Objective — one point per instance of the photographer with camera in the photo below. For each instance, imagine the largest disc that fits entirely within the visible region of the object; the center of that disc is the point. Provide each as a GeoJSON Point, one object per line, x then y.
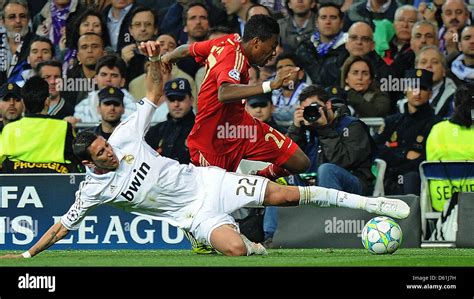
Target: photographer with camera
{"type": "Point", "coordinates": [339, 146]}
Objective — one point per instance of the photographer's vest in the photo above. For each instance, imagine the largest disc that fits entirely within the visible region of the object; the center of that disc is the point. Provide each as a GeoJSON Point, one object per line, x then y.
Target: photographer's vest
{"type": "Point", "coordinates": [448, 141]}
{"type": "Point", "coordinates": [34, 142]}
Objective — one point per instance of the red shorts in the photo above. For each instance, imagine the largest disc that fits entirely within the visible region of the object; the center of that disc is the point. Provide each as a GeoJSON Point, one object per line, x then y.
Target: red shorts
{"type": "Point", "coordinates": [266, 144]}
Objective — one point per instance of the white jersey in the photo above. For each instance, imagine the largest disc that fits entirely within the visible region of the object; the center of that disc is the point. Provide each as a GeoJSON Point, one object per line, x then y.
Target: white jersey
{"type": "Point", "coordinates": [144, 182]}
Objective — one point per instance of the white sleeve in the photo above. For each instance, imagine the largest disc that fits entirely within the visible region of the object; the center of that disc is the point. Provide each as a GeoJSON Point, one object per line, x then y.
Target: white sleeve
{"type": "Point", "coordinates": [137, 124]}
{"type": "Point", "coordinates": [82, 206]}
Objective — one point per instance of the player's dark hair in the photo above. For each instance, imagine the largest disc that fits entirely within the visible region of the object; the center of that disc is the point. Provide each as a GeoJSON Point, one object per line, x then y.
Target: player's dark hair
{"type": "Point", "coordinates": [111, 61]}
{"type": "Point", "coordinates": [34, 93]}
{"type": "Point", "coordinates": [463, 103]}
{"type": "Point", "coordinates": [43, 40]}
{"type": "Point", "coordinates": [313, 90]}
{"type": "Point", "coordinates": [53, 63]}
{"type": "Point", "coordinates": [329, 4]}
{"type": "Point", "coordinates": [81, 144]}
{"type": "Point", "coordinates": [261, 26]}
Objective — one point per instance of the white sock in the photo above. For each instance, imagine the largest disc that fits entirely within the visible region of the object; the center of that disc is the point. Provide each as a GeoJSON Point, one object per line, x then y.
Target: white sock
{"type": "Point", "coordinates": [325, 197]}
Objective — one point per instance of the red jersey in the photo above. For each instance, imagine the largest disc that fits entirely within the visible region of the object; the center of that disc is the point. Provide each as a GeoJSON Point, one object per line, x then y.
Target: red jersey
{"type": "Point", "coordinates": [215, 122]}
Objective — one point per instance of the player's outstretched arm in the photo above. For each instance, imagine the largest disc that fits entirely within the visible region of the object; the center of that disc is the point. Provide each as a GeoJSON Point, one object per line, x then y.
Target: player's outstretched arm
{"type": "Point", "coordinates": [155, 72]}
{"type": "Point", "coordinates": [174, 56]}
{"type": "Point", "coordinates": [55, 233]}
{"type": "Point", "coordinates": [229, 92]}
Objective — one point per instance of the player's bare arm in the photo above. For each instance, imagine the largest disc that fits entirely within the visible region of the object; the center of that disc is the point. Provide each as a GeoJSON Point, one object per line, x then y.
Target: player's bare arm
{"type": "Point", "coordinates": [172, 57]}
{"type": "Point", "coordinates": [228, 92]}
{"type": "Point", "coordinates": [154, 76]}
{"type": "Point", "coordinates": [55, 233]}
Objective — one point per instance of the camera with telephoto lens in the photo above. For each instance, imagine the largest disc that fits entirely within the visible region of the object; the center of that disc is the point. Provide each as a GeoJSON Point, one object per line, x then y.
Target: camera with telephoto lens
{"type": "Point", "coordinates": [311, 113]}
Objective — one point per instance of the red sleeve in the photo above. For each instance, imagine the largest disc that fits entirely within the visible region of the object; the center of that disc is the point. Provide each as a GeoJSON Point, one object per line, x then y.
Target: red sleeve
{"type": "Point", "coordinates": [201, 50]}
{"type": "Point", "coordinates": [232, 67]}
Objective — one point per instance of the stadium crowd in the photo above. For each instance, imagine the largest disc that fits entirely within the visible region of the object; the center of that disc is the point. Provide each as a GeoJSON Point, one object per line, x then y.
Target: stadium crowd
{"type": "Point", "coordinates": [399, 60]}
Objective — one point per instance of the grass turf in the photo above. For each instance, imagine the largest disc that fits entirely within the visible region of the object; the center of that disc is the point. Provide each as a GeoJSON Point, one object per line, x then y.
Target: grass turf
{"type": "Point", "coordinates": [436, 257]}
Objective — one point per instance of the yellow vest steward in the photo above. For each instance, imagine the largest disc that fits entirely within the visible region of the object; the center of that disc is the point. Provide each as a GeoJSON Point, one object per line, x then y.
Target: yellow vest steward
{"type": "Point", "coordinates": [449, 142]}
{"type": "Point", "coordinates": [33, 139]}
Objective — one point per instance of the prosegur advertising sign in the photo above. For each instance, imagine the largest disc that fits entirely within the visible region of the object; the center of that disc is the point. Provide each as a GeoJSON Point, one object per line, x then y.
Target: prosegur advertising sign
{"type": "Point", "coordinates": [30, 204]}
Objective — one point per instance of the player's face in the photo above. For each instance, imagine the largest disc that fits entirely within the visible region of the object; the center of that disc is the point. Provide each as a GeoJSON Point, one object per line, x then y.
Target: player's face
{"type": "Point", "coordinates": [103, 155]}
{"type": "Point", "coordinates": [265, 51]}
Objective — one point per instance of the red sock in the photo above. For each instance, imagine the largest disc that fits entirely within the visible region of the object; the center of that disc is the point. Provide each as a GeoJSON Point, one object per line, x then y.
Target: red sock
{"type": "Point", "coordinates": [273, 172]}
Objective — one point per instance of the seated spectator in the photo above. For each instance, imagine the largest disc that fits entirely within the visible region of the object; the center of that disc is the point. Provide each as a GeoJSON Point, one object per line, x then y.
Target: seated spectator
{"type": "Point", "coordinates": [15, 36]}
{"type": "Point", "coordinates": [323, 55]}
{"type": "Point", "coordinates": [261, 107]}
{"type": "Point", "coordinates": [401, 141]}
{"type": "Point", "coordinates": [285, 99]}
{"type": "Point", "coordinates": [462, 67]}
{"type": "Point", "coordinates": [110, 109]}
{"type": "Point", "coordinates": [51, 21]}
{"type": "Point", "coordinates": [110, 71]}
{"type": "Point", "coordinates": [143, 27]}
{"type": "Point", "coordinates": [338, 145]}
{"type": "Point", "coordinates": [455, 15]}
{"type": "Point", "coordinates": [137, 86]}
{"type": "Point", "coordinates": [11, 105]}
{"type": "Point", "coordinates": [299, 25]}
{"type": "Point", "coordinates": [360, 42]}
{"type": "Point", "coordinates": [453, 139]}
{"type": "Point", "coordinates": [363, 95]}
{"type": "Point", "coordinates": [90, 48]}
{"type": "Point", "coordinates": [369, 10]}
{"type": "Point", "coordinates": [36, 142]}
{"type": "Point", "coordinates": [441, 100]}
{"type": "Point", "coordinates": [51, 72]}
{"type": "Point", "coordinates": [168, 138]}
{"type": "Point", "coordinates": [89, 20]}
{"type": "Point", "coordinates": [40, 49]}
{"type": "Point", "coordinates": [117, 16]}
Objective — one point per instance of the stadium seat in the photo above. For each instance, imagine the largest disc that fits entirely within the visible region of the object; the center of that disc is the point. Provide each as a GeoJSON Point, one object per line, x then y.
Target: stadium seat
{"type": "Point", "coordinates": [453, 174]}
{"type": "Point", "coordinates": [378, 170]}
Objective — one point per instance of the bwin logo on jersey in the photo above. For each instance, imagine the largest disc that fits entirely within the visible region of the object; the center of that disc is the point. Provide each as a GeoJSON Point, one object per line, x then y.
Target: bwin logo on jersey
{"type": "Point", "coordinates": [136, 182]}
{"type": "Point", "coordinates": [234, 74]}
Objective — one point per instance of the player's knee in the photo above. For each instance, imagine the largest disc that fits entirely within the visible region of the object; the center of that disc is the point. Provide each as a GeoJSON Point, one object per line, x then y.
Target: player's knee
{"type": "Point", "coordinates": [235, 248]}
{"type": "Point", "coordinates": [303, 163]}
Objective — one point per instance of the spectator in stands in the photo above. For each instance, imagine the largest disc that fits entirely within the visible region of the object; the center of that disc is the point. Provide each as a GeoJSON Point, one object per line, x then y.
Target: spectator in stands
{"type": "Point", "coordinates": [462, 67]}
{"type": "Point", "coordinates": [40, 49]}
{"type": "Point", "coordinates": [168, 138]}
{"type": "Point", "coordinates": [110, 109]}
{"type": "Point", "coordinates": [15, 39]}
{"type": "Point", "coordinates": [117, 16]}
{"type": "Point", "coordinates": [110, 71]}
{"type": "Point", "coordinates": [423, 34]}
{"type": "Point", "coordinates": [90, 48]}
{"type": "Point", "coordinates": [89, 20]}
{"type": "Point", "coordinates": [324, 54]}
{"type": "Point", "coordinates": [338, 145]}
{"type": "Point", "coordinates": [363, 94]}
{"type": "Point", "coordinates": [51, 21]}
{"type": "Point", "coordinates": [453, 139]}
{"type": "Point", "coordinates": [430, 58]}
{"type": "Point", "coordinates": [196, 25]}
{"type": "Point", "coordinates": [455, 14]}
{"type": "Point", "coordinates": [11, 105]}
{"type": "Point", "coordinates": [401, 141]}
{"type": "Point", "coordinates": [51, 72]}
{"type": "Point", "coordinates": [299, 25]}
{"type": "Point", "coordinates": [261, 107]}
{"type": "Point", "coordinates": [367, 11]}
{"type": "Point", "coordinates": [431, 12]}
{"type": "Point", "coordinates": [143, 27]}
{"type": "Point", "coordinates": [137, 86]}
{"type": "Point", "coordinates": [360, 42]}
{"type": "Point", "coordinates": [257, 9]}
{"type": "Point", "coordinates": [45, 143]}
{"type": "Point", "coordinates": [285, 99]}
{"type": "Point", "coordinates": [238, 11]}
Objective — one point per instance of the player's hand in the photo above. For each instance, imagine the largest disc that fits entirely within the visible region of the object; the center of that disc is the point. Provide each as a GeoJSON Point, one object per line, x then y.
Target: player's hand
{"type": "Point", "coordinates": [167, 64]}
{"type": "Point", "coordinates": [283, 74]}
{"type": "Point", "coordinates": [11, 256]}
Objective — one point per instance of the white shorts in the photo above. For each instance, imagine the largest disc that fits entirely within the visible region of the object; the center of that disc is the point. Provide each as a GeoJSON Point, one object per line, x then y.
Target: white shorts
{"type": "Point", "coordinates": [226, 192]}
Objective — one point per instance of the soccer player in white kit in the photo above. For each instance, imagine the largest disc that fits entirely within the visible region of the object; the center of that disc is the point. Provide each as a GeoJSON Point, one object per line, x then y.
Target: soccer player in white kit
{"type": "Point", "coordinates": [127, 173]}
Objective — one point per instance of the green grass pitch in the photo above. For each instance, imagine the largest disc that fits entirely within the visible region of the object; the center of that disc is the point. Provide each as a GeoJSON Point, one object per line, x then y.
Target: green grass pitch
{"type": "Point", "coordinates": [419, 257]}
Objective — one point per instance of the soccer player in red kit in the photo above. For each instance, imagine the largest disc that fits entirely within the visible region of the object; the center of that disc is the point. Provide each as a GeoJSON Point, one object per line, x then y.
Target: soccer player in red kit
{"type": "Point", "coordinates": [224, 133]}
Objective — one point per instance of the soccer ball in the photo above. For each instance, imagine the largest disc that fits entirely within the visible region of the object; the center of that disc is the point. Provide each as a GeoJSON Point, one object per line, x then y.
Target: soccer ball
{"type": "Point", "coordinates": [381, 235]}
